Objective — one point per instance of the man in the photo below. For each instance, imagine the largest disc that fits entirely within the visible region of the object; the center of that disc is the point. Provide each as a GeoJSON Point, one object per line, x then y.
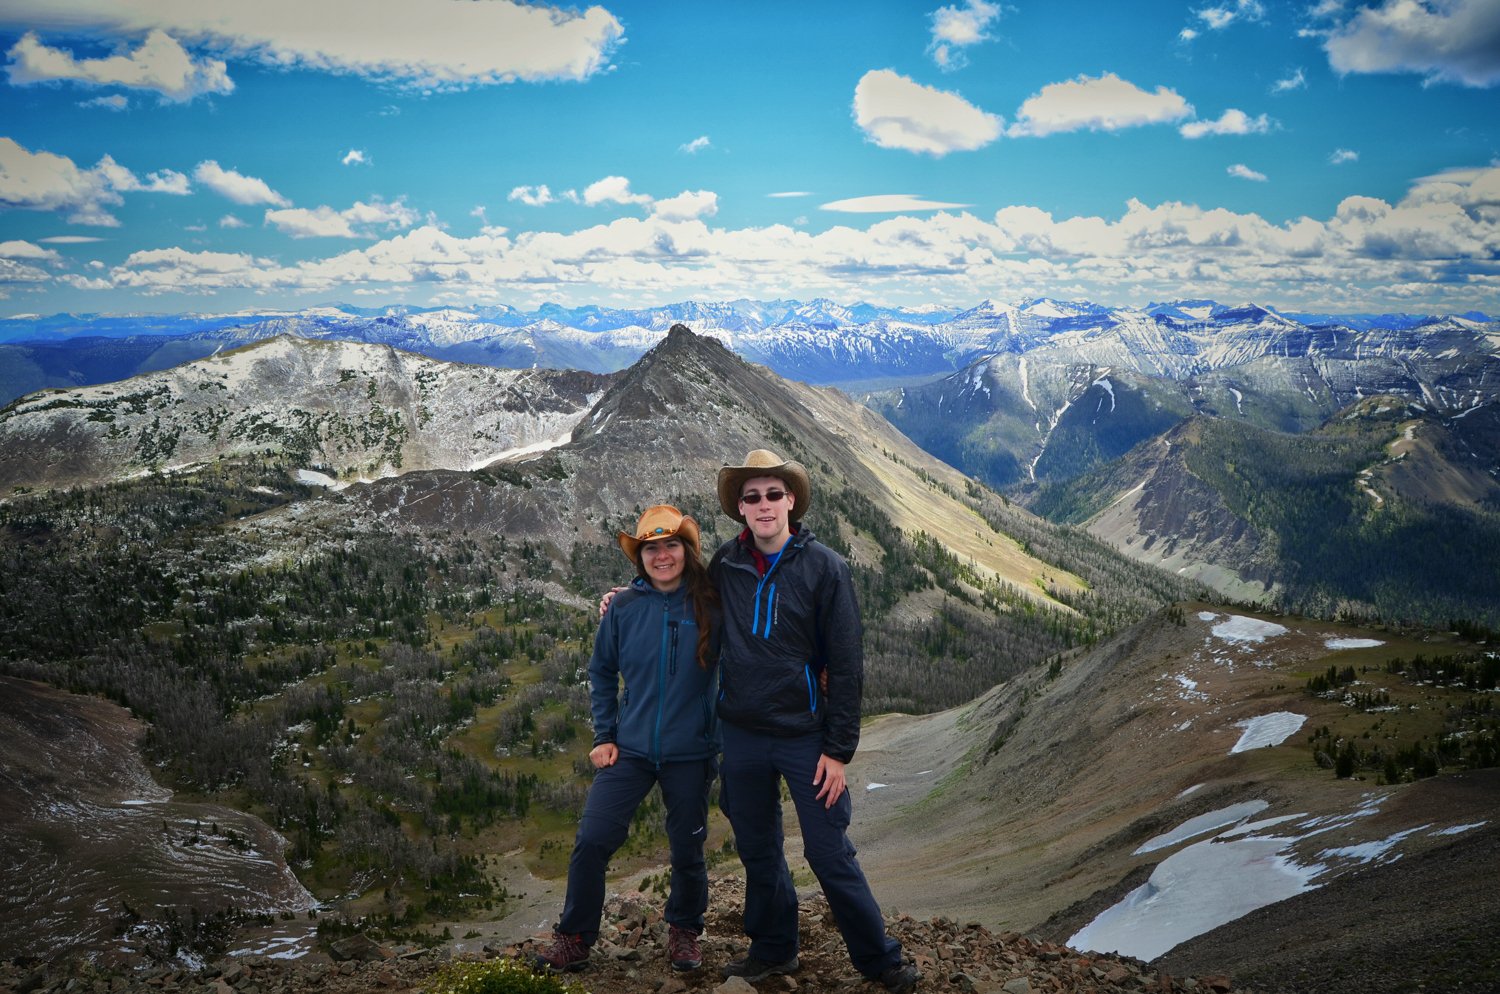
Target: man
{"type": "Point", "coordinates": [790, 618]}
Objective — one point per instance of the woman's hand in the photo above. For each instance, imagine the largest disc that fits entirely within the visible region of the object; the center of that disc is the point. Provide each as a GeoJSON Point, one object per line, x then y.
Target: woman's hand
{"type": "Point", "coordinates": [604, 754]}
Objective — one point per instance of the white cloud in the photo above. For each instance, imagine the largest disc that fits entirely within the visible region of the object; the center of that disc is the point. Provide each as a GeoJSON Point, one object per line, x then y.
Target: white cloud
{"type": "Point", "coordinates": [237, 187]}
{"type": "Point", "coordinates": [1231, 122]}
{"type": "Point", "coordinates": [1220, 17]}
{"type": "Point", "coordinates": [532, 196]}
{"type": "Point", "coordinates": [160, 64]}
{"type": "Point", "coordinates": [1343, 155]}
{"type": "Point", "coordinates": [45, 181]}
{"type": "Point", "coordinates": [686, 206]}
{"type": "Point", "coordinates": [1296, 81]}
{"type": "Point", "coordinates": [1105, 103]}
{"type": "Point", "coordinates": [114, 101]}
{"type": "Point", "coordinates": [889, 203]}
{"type": "Point", "coordinates": [420, 43]}
{"type": "Point", "coordinates": [1450, 41]}
{"type": "Point", "coordinates": [1433, 249]}
{"type": "Point", "coordinates": [27, 250]}
{"type": "Point", "coordinates": [71, 240]}
{"type": "Point", "coordinates": [895, 112]}
{"type": "Point", "coordinates": [957, 28]}
{"type": "Point", "coordinates": [1187, 34]}
{"type": "Point", "coordinates": [696, 145]}
{"type": "Point", "coordinates": [125, 181]}
{"type": "Point", "coordinates": [785, 194]}
{"type": "Point", "coordinates": [1241, 171]}
{"type": "Point", "coordinates": [612, 190]}
{"type": "Point", "coordinates": [231, 221]}
{"type": "Point", "coordinates": [355, 157]}
{"type": "Point", "coordinates": [359, 221]}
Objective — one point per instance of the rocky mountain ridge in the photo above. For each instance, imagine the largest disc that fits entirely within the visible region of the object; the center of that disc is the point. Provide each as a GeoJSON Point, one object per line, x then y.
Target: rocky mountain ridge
{"type": "Point", "coordinates": [346, 411]}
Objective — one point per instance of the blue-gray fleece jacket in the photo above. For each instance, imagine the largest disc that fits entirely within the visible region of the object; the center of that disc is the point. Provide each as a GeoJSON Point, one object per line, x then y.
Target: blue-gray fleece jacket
{"type": "Point", "coordinates": [782, 628]}
{"type": "Point", "coordinates": [665, 711]}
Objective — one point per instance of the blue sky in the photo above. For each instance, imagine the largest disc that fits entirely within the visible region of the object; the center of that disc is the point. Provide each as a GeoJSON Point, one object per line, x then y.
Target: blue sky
{"type": "Point", "coordinates": [214, 155]}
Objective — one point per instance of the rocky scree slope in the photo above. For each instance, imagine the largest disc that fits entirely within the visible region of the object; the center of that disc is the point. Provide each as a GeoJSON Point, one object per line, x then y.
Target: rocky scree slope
{"type": "Point", "coordinates": [631, 957]}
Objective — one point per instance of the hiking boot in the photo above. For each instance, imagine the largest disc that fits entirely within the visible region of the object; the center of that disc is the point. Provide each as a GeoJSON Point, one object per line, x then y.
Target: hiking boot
{"type": "Point", "coordinates": [682, 949]}
{"type": "Point", "coordinates": [568, 953]}
{"type": "Point", "coordinates": [901, 978]}
{"type": "Point", "coordinates": [753, 969]}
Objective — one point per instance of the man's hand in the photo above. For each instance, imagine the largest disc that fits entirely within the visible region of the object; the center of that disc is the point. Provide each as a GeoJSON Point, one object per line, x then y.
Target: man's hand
{"type": "Point", "coordinates": [604, 601]}
{"type": "Point", "coordinates": [604, 754]}
{"type": "Point", "coordinates": [830, 774]}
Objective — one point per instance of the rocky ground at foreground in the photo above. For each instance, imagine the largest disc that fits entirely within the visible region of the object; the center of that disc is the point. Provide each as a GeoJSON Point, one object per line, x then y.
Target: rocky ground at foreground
{"type": "Point", "coordinates": [630, 958]}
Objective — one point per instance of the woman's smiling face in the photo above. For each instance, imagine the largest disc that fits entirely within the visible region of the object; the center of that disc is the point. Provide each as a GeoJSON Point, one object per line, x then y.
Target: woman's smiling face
{"type": "Point", "coordinates": [663, 561]}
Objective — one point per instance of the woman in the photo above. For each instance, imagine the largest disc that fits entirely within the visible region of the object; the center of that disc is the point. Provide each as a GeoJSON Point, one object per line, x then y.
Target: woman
{"type": "Point", "coordinates": [660, 729]}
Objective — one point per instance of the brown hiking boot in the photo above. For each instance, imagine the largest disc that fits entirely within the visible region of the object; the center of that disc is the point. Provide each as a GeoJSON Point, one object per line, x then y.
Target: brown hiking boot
{"type": "Point", "coordinates": [566, 954]}
{"type": "Point", "coordinates": [682, 949]}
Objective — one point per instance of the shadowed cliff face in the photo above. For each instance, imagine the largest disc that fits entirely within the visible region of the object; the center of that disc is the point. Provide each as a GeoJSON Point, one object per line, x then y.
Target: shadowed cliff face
{"type": "Point", "coordinates": [86, 832]}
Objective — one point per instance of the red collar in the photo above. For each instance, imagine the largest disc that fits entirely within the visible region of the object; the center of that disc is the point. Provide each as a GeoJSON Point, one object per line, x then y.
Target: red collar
{"type": "Point", "coordinates": [762, 564]}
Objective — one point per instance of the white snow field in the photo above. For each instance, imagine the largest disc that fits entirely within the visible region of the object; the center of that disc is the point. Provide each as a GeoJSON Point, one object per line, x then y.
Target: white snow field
{"type": "Point", "coordinates": [1268, 730]}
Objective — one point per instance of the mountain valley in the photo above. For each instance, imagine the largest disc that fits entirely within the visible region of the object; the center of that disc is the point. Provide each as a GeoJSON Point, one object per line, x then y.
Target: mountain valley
{"type": "Point", "coordinates": [364, 621]}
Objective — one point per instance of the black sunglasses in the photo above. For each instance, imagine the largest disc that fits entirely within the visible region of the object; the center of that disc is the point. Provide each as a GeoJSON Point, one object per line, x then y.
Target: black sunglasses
{"type": "Point", "coordinates": [753, 498]}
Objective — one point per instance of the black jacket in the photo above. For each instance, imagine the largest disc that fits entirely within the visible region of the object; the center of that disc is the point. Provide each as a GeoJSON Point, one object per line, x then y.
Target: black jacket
{"type": "Point", "coordinates": [779, 631]}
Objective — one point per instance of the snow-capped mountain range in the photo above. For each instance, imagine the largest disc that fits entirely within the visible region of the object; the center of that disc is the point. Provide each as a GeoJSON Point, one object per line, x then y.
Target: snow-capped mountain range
{"type": "Point", "coordinates": [818, 341]}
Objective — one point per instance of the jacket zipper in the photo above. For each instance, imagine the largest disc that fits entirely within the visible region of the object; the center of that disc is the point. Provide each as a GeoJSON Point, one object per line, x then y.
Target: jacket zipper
{"type": "Point", "coordinates": [770, 595]}
{"type": "Point", "coordinates": [661, 678]}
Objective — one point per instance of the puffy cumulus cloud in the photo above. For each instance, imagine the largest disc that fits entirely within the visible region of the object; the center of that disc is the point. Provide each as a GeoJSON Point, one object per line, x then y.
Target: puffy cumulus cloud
{"type": "Point", "coordinates": [421, 43]}
{"type": "Point", "coordinates": [230, 221]}
{"type": "Point", "coordinates": [1339, 156]}
{"type": "Point", "coordinates": [957, 28]}
{"type": "Point", "coordinates": [686, 206]}
{"type": "Point", "coordinates": [1451, 41]}
{"type": "Point", "coordinates": [46, 181]}
{"type": "Point", "coordinates": [355, 157]}
{"type": "Point", "coordinates": [237, 187]}
{"type": "Point", "coordinates": [1241, 171]}
{"type": "Point", "coordinates": [889, 203]}
{"type": "Point", "coordinates": [612, 190]}
{"type": "Point", "coordinates": [1103, 103]}
{"type": "Point", "coordinates": [532, 196]}
{"type": "Point", "coordinates": [175, 269]}
{"type": "Point", "coordinates": [1445, 232]}
{"type": "Point", "coordinates": [895, 112]}
{"type": "Point", "coordinates": [125, 181]}
{"type": "Point", "coordinates": [360, 221]}
{"type": "Point", "coordinates": [160, 64]}
{"type": "Point", "coordinates": [695, 146]}
{"type": "Point", "coordinates": [1231, 122]}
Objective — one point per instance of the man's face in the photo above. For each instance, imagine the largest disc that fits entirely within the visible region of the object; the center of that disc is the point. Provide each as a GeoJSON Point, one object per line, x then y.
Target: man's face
{"type": "Point", "coordinates": [767, 519]}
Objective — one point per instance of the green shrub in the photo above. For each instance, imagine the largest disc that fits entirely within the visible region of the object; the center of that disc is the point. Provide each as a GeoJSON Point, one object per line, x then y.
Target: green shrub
{"type": "Point", "coordinates": [499, 976]}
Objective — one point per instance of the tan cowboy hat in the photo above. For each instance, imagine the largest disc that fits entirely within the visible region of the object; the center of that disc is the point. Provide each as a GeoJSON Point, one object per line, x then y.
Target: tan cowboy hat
{"type": "Point", "coordinates": [658, 522]}
{"type": "Point", "coordinates": [764, 462]}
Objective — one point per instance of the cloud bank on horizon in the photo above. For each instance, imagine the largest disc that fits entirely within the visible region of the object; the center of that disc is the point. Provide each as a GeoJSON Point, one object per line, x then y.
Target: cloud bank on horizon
{"type": "Point", "coordinates": [160, 155]}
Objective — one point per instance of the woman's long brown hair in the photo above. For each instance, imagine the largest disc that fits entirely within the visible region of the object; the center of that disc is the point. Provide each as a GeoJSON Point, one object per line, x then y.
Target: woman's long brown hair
{"type": "Point", "coordinates": [701, 593]}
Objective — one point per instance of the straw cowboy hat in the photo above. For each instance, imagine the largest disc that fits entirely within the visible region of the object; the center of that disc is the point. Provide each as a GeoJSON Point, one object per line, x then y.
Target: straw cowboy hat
{"type": "Point", "coordinates": [658, 522]}
{"type": "Point", "coordinates": [764, 462]}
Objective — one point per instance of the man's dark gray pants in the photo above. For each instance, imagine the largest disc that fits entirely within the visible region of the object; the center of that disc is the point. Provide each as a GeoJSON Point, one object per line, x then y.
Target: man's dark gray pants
{"type": "Point", "coordinates": [749, 793]}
